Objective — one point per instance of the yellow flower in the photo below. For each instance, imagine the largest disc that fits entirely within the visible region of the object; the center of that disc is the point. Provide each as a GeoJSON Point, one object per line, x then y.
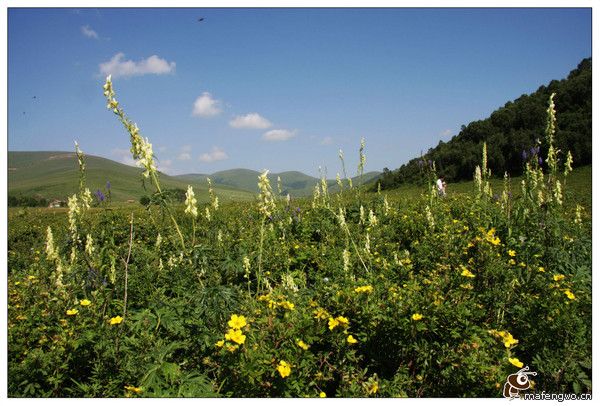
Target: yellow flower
{"type": "Point", "coordinates": [220, 343]}
{"type": "Point", "coordinates": [351, 340]}
{"type": "Point", "coordinates": [466, 272]}
{"type": "Point", "coordinates": [287, 305]}
{"type": "Point", "coordinates": [364, 289]}
{"type": "Point", "coordinates": [558, 277]}
{"type": "Point", "coordinates": [333, 323]}
{"type": "Point", "coordinates": [509, 340]}
{"type": "Point", "coordinates": [512, 253]}
{"type": "Point", "coordinates": [116, 320]}
{"type": "Point", "coordinates": [134, 389]}
{"type": "Point", "coordinates": [322, 395]}
{"type": "Point", "coordinates": [321, 313]}
{"type": "Point", "coordinates": [85, 302]}
{"type": "Point", "coordinates": [569, 294]}
{"type": "Point", "coordinates": [342, 320]}
{"type": "Point", "coordinates": [302, 345]}
{"type": "Point", "coordinates": [284, 369]}
{"type": "Point", "coordinates": [231, 348]}
{"type": "Point", "coordinates": [373, 388]}
{"type": "Point", "coordinates": [541, 269]}
{"type": "Point", "coordinates": [237, 321]}
{"type": "Point", "coordinates": [511, 261]}
{"type": "Point", "coordinates": [417, 316]}
{"type": "Point", "coordinates": [516, 362]}
{"type": "Point", "coordinates": [72, 312]}
{"type": "Point", "coordinates": [236, 336]}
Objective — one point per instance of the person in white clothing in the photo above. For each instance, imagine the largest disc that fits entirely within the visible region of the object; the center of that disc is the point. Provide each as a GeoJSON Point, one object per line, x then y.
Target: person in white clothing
{"type": "Point", "coordinates": [441, 186]}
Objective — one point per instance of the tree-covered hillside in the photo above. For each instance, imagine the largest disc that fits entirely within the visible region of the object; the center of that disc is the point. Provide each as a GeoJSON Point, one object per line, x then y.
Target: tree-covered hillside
{"type": "Point", "coordinates": [511, 132]}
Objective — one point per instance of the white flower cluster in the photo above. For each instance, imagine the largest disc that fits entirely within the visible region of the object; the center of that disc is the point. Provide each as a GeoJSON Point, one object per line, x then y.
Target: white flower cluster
{"type": "Point", "coordinates": [190, 203]}
{"type": "Point", "coordinates": [266, 203]}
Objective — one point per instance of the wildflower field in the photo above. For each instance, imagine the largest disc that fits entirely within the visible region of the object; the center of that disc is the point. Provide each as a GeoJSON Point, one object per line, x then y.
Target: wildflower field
{"type": "Point", "coordinates": [354, 294]}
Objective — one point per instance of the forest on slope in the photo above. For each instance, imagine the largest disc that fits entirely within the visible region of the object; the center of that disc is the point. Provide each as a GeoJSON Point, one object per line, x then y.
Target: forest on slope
{"type": "Point", "coordinates": [512, 133]}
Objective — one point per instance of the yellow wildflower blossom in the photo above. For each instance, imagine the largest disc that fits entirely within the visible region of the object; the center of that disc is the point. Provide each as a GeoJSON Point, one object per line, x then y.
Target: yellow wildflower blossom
{"type": "Point", "coordinates": [516, 362]}
{"type": "Point", "coordinates": [321, 313]}
{"type": "Point", "coordinates": [364, 289]}
{"type": "Point", "coordinates": [85, 302]}
{"type": "Point", "coordinates": [417, 316]}
{"type": "Point", "coordinates": [342, 320]}
{"type": "Point", "coordinates": [134, 389]}
{"type": "Point", "coordinates": [569, 294]}
{"type": "Point", "coordinates": [302, 345]}
{"type": "Point", "coordinates": [512, 253]}
{"type": "Point", "coordinates": [558, 277]}
{"type": "Point", "coordinates": [541, 269]}
{"type": "Point", "coordinates": [284, 369]}
{"type": "Point", "coordinates": [466, 272]}
{"type": "Point", "coordinates": [333, 323]}
{"type": "Point", "coordinates": [351, 340]}
{"type": "Point", "coordinates": [72, 312]}
{"type": "Point", "coordinates": [236, 321]}
{"type": "Point", "coordinates": [116, 320]}
{"type": "Point", "coordinates": [322, 395]}
{"type": "Point", "coordinates": [231, 348]}
{"type": "Point", "coordinates": [287, 305]}
{"type": "Point", "coordinates": [236, 336]}
{"type": "Point", "coordinates": [220, 343]}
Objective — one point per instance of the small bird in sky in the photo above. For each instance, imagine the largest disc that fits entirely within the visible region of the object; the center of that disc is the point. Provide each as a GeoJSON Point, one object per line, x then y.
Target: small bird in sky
{"type": "Point", "coordinates": [34, 97]}
{"type": "Point", "coordinates": [201, 19]}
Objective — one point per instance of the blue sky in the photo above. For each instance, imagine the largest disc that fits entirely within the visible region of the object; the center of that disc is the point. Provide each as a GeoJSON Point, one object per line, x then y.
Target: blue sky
{"type": "Point", "coordinates": [278, 89]}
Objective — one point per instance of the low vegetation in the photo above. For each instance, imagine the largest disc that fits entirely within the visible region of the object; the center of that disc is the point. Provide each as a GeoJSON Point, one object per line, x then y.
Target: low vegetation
{"type": "Point", "coordinates": [353, 294]}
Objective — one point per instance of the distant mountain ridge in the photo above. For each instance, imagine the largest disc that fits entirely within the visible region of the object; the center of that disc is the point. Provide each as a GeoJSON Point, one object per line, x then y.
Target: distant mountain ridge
{"type": "Point", "coordinates": [55, 175]}
{"type": "Point", "coordinates": [293, 182]}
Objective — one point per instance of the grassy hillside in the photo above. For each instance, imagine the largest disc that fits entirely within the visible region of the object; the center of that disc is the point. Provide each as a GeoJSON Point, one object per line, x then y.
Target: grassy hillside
{"type": "Point", "coordinates": [55, 175]}
{"type": "Point", "coordinates": [293, 182]}
{"type": "Point", "coordinates": [578, 189]}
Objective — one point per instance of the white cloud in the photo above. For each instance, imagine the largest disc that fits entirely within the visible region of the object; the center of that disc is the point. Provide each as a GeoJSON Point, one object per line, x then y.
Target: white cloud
{"type": "Point", "coordinates": [163, 165]}
{"type": "Point", "coordinates": [278, 135]}
{"type": "Point", "coordinates": [327, 141]}
{"type": "Point", "coordinates": [446, 132]}
{"type": "Point", "coordinates": [154, 65]}
{"type": "Point", "coordinates": [250, 120]}
{"type": "Point", "coordinates": [123, 156]}
{"type": "Point", "coordinates": [206, 106]}
{"type": "Point", "coordinates": [89, 32]}
{"type": "Point", "coordinates": [216, 154]}
{"type": "Point", "coordinates": [185, 153]}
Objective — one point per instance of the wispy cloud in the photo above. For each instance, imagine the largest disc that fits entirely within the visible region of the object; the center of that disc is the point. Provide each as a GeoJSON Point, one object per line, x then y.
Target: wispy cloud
{"type": "Point", "coordinates": [89, 32]}
{"type": "Point", "coordinates": [326, 141]}
{"type": "Point", "coordinates": [206, 106]}
{"type": "Point", "coordinates": [216, 154]}
{"type": "Point", "coordinates": [278, 135]}
{"type": "Point", "coordinates": [250, 120]}
{"type": "Point", "coordinates": [123, 156]}
{"type": "Point", "coordinates": [446, 132]}
{"type": "Point", "coordinates": [185, 154]}
{"type": "Point", "coordinates": [153, 65]}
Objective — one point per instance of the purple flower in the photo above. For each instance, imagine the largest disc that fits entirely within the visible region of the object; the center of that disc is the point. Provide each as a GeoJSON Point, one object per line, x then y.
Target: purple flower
{"type": "Point", "coordinates": [540, 160]}
{"type": "Point", "coordinates": [533, 151]}
{"type": "Point", "coordinates": [99, 195]}
{"type": "Point", "coordinates": [524, 155]}
{"type": "Point", "coordinates": [108, 184]}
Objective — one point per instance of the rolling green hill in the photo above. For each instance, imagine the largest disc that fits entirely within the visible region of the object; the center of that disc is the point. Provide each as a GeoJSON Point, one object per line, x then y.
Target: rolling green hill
{"type": "Point", "coordinates": [55, 175]}
{"type": "Point", "coordinates": [295, 183]}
